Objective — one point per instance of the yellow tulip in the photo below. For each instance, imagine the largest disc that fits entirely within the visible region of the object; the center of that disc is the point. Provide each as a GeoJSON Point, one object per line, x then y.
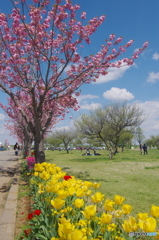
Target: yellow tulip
{"type": "Point", "coordinates": [106, 218]}
{"type": "Point", "coordinates": [87, 231]}
{"type": "Point", "coordinates": [80, 192]}
{"type": "Point", "coordinates": [89, 211]}
{"type": "Point", "coordinates": [79, 203]}
{"type": "Point", "coordinates": [97, 197]}
{"type": "Point", "coordinates": [88, 193]}
{"type": "Point", "coordinates": [108, 205]}
{"type": "Point", "coordinates": [48, 188]}
{"type": "Point", "coordinates": [126, 208]}
{"type": "Point", "coordinates": [134, 224]}
{"type": "Point", "coordinates": [44, 175]}
{"type": "Point", "coordinates": [62, 193]}
{"type": "Point", "coordinates": [154, 211]}
{"type": "Point", "coordinates": [65, 228]}
{"type": "Point", "coordinates": [84, 188]}
{"type": "Point", "coordinates": [96, 185]}
{"type": "Point", "coordinates": [53, 180]}
{"type": "Point", "coordinates": [43, 164]}
{"type": "Point", "coordinates": [118, 199]}
{"type": "Point", "coordinates": [55, 187]}
{"type": "Point", "coordinates": [140, 224]}
{"type": "Point", "coordinates": [82, 223]}
{"type": "Point", "coordinates": [58, 169]}
{"type": "Point", "coordinates": [127, 226]}
{"type": "Point", "coordinates": [117, 213]}
{"type": "Point", "coordinates": [111, 227]}
{"type": "Point", "coordinates": [65, 210]}
{"type": "Point", "coordinates": [38, 167]}
{"type": "Point", "coordinates": [77, 234]}
{"type": "Point", "coordinates": [71, 191]}
{"type": "Point", "coordinates": [36, 174]}
{"type": "Point", "coordinates": [88, 184]}
{"type": "Point", "coordinates": [119, 238]}
{"type": "Point", "coordinates": [149, 225]}
{"type": "Point", "coordinates": [57, 203]}
{"type": "Point", "coordinates": [142, 216]}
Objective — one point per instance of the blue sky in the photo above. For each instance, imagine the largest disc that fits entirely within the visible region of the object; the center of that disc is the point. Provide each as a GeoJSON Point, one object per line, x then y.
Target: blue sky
{"type": "Point", "coordinates": [137, 20]}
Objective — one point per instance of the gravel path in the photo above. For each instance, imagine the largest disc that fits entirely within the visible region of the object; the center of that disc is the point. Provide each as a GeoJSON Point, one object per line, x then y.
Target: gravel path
{"type": "Point", "coordinates": [8, 167]}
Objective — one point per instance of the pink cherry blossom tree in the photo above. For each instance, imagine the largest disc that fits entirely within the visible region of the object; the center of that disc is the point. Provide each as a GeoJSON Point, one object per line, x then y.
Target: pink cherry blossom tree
{"type": "Point", "coordinates": [41, 59]}
{"type": "Point", "coordinates": [17, 126]}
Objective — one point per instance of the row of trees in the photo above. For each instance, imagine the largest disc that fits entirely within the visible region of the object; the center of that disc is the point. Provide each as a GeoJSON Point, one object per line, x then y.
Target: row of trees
{"type": "Point", "coordinates": [42, 68]}
{"type": "Point", "coordinates": [153, 141]}
{"type": "Point", "coordinates": [112, 126]}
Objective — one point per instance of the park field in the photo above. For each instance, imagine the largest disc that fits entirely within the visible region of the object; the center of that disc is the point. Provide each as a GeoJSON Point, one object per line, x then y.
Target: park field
{"type": "Point", "coordinates": [129, 174]}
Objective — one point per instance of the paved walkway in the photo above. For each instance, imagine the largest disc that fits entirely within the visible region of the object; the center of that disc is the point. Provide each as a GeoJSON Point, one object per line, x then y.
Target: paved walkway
{"type": "Point", "coordinates": [9, 177]}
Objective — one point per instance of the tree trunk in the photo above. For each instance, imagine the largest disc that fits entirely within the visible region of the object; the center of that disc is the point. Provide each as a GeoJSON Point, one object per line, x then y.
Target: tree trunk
{"type": "Point", "coordinates": [27, 146]}
{"type": "Point", "coordinates": [67, 150]}
{"type": "Point", "coordinates": [66, 147]}
{"type": "Point", "coordinates": [116, 150]}
{"type": "Point", "coordinates": [39, 149]}
{"type": "Point", "coordinates": [111, 154]}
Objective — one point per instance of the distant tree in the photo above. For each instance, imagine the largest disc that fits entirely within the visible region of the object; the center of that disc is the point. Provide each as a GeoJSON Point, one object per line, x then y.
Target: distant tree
{"type": "Point", "coordinates": [18, 127]}
{"type": "Point", "coordinates": [149, 143]}
{"type": "Point", "coordinates": [125, 139]}
{"type": "Point", "coordinates": [65, 136]}
{"type": "Point", "coordinates": [94, 142]}
{"type": "Point", "coordinates": [53, 141]}
{"type": "Point", "coordinates": [157, 142]}
{"type": "Point", "coordinates": [109, 123]}
{"type": "Point", "coordinates": [138, 135]}
{"type": "Point", "coordinates": [79, 141]}
{"type": "Point", "coordinates": [153, 141]}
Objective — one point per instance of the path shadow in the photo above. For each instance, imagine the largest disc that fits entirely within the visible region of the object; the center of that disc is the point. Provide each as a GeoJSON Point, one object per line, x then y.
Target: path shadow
{"type": "Point", "coordinates": [9, 171]}
{"type": "Point", "coordinates": [85, 176]}
{"type": "Point", "coordinates": [65, 168]}
{"type": "Point", "coordinates": [15, 181]}
{"type": "Point", "coordinates": [13, 160]}
{"type": "Point", "coordinates": [99, 180]}
{"type": "Point", "coordinates": [85, 159]}
{"type": "Point", "coordinates": [10, 160]}
{"type": "Point", "coordinates": [5, 188]}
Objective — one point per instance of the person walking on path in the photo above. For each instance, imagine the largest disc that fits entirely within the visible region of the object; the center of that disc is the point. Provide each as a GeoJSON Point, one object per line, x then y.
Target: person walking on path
{"type": "Point", "coordinates": [145, 149]}
{"type": "Point", "coordinates": [141, 148]}
{"type": "Point", "coordinates": [16, 148]}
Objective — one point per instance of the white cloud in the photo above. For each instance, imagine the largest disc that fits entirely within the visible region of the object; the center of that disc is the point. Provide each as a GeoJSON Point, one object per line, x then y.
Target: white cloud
{"type": "Point", "coordinates": [61, 128]}
{"type": "Point", "coordinates": [113, 74]}
{"type": "Point", "coordinates": [155, 56]}
{"type": "Point", "coordinates": [153, 77]}
{"type": "Point", "coordinates": [90, 106]}
{"type": "Point", "coordinates": [117, 94]}
{"type": "Point", "coordinates": [2, 116]}
{"type": "Point", "coordinates": [87, 96]}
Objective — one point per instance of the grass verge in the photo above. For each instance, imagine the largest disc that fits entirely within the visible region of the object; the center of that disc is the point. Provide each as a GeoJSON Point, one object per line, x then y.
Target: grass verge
{"type": "Point", "coordinates": [129, 174]}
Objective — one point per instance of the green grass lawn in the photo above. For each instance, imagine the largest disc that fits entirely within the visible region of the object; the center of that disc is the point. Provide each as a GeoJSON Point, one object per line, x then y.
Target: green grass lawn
{"type": "Point", "coordinates": [129, 174]}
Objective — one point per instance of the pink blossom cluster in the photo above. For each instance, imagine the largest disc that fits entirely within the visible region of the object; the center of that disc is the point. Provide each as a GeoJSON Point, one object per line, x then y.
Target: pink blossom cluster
{"type": "Point", "coordinates": [30, 162]}
{"type": "Point", "coordinates": [29, 43]}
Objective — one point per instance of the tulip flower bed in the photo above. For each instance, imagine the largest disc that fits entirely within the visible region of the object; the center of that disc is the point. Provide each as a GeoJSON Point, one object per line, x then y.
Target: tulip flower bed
{"type": "Point", "coordinates": [66, 208]}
